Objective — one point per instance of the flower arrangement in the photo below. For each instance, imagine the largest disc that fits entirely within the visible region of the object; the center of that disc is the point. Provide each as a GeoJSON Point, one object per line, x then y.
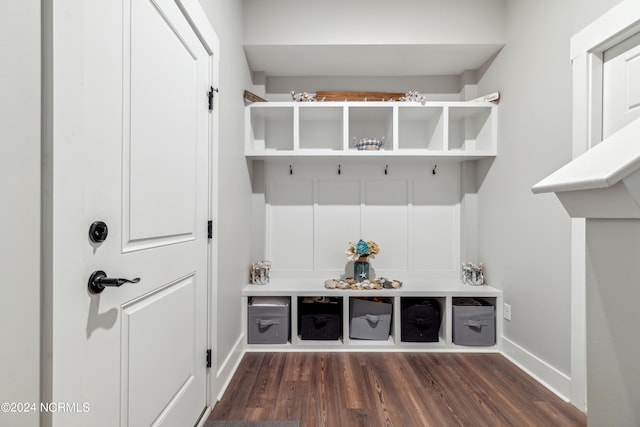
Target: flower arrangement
{"type": "Point", "coordinates": [361, 248]}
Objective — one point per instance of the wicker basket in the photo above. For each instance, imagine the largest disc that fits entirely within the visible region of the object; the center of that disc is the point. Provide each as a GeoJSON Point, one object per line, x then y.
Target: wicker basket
{"type": "Point", "coordinates": [369, 144]}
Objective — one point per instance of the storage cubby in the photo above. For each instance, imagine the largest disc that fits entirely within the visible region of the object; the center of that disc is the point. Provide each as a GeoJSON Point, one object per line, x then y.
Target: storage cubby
{"type": "Point", "coordinates": [442, 291]}
{"type": "Point", "coordinates": [268, 320]}
{"type": "Point", "coordinates": [421, 319]}
{"type": "Point", "coordinates": [371, 122]}
{"type": "Point", "coordinates": [474, 321]}
{"type": "Point", "coordinates": [271, 128]}
{"type": "Point", "coordinates": [456, 130]}
{"type": "Point", "coordinates": [320, 318]}
{"type": "Point", "coordinates": [470, 128]}
{"type": "Point", "coordinates": [421, 128]}
{"type": "Point", "coordinates": [321, 127]}
{"type": "Point", "coordinates": [370, 318]}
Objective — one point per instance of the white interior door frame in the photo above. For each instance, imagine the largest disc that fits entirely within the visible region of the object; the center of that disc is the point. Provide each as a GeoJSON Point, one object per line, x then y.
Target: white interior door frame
{"type": "Point", "coordinates": [587, 51]}
{"type": "Point", "coordinates": [211, 42]}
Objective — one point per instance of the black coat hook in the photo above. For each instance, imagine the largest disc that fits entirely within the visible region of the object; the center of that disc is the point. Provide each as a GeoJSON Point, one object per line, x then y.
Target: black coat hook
{"type": "Point", "coordinates": [339, 170]}
{"type": "Point", "coordinates": [434, 169]}
{"type": "Point", "coordinates": [290, 170]}
{"type": "Point", "coordinates": [386, 169]}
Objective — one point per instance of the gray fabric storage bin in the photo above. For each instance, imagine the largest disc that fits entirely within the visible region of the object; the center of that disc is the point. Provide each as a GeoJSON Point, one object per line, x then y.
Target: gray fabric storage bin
{"type": "Point", "coordinates": [370, 320]}
{"type": "Point", "coordinates": [474, 324]}
{"type": "Point", "coordinates": [268, 320]}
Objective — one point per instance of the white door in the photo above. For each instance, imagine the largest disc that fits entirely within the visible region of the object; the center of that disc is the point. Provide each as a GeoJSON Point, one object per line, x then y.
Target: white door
{"type": "Point", "coordinates": [621, 85]}
{"type": "Point", "coordinates": [131, 147]}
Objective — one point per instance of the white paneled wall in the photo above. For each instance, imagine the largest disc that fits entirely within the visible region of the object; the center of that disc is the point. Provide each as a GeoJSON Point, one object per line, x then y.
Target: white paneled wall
{"type": "Point", "coordinates": [337, 215]}
{"type": "Point", "coordinates": [290, 224]}
{"type": "Point", "coordinates": [312, 212]}
{"type": "Point", "coordinates": [385, 209]}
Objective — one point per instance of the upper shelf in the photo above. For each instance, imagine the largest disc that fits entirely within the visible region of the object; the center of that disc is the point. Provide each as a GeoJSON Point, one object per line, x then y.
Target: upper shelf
{"type": "Point", "coordinates": [453, 130]}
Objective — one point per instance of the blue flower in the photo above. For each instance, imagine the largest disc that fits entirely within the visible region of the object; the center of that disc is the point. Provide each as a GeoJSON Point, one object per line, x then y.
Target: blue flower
{"type": "Point", "coordinates": [362, 248]}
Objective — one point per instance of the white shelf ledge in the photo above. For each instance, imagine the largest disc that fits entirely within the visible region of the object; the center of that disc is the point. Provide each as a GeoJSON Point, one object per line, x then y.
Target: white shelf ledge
{"type": "Point", "coordinates": [418, 288]}
{"type": "Point", "coordinates": [609, 162]}
{"type": "Point", "coordinates": [604, 182]}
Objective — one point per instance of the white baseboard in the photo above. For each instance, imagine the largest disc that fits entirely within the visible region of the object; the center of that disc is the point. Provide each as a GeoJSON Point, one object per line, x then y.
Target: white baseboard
{"type": "Point", "coordinates": [204, 417]}
{"type": "Point", "coordinates": [541, 371]}
{"type": "Point", "coordinates": [228, 368]}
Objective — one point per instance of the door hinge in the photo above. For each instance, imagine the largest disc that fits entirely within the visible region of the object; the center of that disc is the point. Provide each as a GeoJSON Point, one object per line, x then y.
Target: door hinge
{"type": "Point", "coordinates": [208, 358]}
{"type": "Point", "coordinates": [210, 229]}
{"type": "Point", "coordinates": [210, 96]}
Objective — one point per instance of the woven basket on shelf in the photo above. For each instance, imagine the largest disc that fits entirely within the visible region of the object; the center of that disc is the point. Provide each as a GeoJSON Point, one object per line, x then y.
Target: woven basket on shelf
{"type": "Point", "coordinates": [369, 144]}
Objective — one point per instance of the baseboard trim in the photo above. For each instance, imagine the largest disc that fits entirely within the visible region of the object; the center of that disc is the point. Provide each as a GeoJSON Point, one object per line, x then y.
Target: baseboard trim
{"type": "Point", "coordinates": [203, 419]}
{"type": "Point", "coordinates": [228, 368]}
{"type": "Point", "coordinates": [538, 369]}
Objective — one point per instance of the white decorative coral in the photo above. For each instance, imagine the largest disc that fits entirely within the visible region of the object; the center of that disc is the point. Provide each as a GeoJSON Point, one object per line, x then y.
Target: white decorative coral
{"type": "Point", "coordinates": [303, 97]}
{"type": "Point", "coordinates": [414, 96]}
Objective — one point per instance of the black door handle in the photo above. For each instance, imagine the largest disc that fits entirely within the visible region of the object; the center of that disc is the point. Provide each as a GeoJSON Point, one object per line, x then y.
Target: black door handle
{"type": "Point", "coordinates": [99, 280]}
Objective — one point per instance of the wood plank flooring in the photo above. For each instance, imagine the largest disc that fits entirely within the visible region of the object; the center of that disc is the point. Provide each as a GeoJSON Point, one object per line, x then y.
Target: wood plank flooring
{"type": "Point", "coordinates": [391, 389]}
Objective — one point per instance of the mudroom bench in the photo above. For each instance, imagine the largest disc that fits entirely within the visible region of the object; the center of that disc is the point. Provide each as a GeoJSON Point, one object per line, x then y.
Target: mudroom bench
{"type": "Point", "coordinates": [479, 332]}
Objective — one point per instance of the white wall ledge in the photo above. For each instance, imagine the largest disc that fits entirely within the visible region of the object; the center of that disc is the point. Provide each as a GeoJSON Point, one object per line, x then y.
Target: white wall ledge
{"type": "Point", "coordinates": [604, 182]}
{"type": "Point", "coordinates": [606, 164]}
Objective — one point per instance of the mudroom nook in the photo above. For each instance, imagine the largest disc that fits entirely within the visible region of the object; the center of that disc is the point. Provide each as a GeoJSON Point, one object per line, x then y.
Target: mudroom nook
{"type": "Point", "coordinates": [316, 190]}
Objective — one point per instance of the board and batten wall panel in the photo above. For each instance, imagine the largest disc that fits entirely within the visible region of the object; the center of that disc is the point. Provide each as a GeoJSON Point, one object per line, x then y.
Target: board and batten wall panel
{"type": "Point", "coordinates": [290, 218]}
{"type": "Point", "coordinates": [384, 220]}
{"type": "Point", "coordinates": [337, 218]}
{"type": "Point", "coordinates": [436, 221]}
{"type": "Point", "coordinates": [313, 213]}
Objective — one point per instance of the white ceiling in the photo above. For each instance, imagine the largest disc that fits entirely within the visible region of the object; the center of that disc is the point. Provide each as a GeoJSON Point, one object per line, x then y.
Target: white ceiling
{"type": "Point", "coordinates": [368, 60]}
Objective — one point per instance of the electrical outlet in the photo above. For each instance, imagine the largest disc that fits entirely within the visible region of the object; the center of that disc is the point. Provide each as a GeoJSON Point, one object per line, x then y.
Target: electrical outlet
{"type": "Point", "coordinates": [506, 312]}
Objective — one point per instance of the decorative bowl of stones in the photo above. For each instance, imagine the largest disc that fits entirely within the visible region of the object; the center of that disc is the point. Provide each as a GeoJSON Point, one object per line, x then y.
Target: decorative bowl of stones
{"type": "Point", "coordinates": [368, 144]}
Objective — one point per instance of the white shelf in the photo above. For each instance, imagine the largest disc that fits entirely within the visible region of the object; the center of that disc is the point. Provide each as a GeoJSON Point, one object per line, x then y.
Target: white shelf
{"type": "Point", "coordinates": [444, 290]}
{"type": "Point", "coordinates": [410, 288]}
{"type": "Point", "coordinates": [326, 130]}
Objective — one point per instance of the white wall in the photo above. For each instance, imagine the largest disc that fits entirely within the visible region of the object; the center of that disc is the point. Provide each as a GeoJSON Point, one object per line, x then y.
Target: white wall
{"type": "Point", "coordinates": [233, 229]}
{"type": "Point", "coordinates": [524, 240]}
{"type": "Point", "coordinates": [613, 248]}
{"type": "Point", "coordinates": [339, 32]}
{"type": "Point", "coordinates": [373, 22]}
{"type": "Point", "coordinates": [20, 212]}
{"type": "Point", "coordinates": [439, 88]}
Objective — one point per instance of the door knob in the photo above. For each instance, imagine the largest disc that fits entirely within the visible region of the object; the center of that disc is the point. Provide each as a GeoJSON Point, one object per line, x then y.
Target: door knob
{"type": "Point", "coordinates": [99, 280]}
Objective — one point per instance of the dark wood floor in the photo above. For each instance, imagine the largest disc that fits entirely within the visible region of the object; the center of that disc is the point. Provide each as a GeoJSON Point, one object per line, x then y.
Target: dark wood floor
{"type": "Point", "coordinates": [391, 389]}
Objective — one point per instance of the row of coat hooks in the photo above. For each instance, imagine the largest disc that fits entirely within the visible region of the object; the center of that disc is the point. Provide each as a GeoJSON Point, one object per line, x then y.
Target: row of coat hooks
{"type": "Point", "coordinates": [386, 169]}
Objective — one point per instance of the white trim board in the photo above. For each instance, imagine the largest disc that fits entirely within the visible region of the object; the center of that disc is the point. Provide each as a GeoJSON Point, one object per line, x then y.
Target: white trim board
{"type": "Point", "coordinates": [227, 369]}
{"type": "Point", "coordinates": [611, 28]}
{"type": "Point", "coordinates": [550, 377]}
{"type": "Point", "coordinates": [609, 162]}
